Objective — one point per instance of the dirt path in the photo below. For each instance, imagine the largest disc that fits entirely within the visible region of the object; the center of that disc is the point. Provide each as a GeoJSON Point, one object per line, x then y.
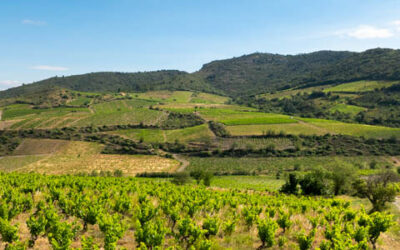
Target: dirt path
{"type": "Point", "coordinates": [184, 162]}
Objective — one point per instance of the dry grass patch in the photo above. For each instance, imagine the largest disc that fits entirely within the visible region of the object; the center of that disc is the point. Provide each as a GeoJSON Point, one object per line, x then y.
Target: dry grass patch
{"type": "Point", "coordinates": [39, 146]}
{"type": "Point", "coordinates": [85, 157]}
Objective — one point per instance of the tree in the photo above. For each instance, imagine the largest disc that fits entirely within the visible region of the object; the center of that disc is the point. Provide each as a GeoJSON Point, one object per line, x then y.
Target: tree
{"type": "Point", "coordinates": [292, 185]}
{"type": "Point", "coordinates": [207, 178]}
{"type": "Point", "coordinates": [181, 178]}
{"type": "Point", "coordinates": [342, 175]}
{"type": "Point", "coordinates": [316, 182]}
{"type": "Point", "coordinates": [197, 175]}
{"type": "Point", "coordinates": [377, 189]}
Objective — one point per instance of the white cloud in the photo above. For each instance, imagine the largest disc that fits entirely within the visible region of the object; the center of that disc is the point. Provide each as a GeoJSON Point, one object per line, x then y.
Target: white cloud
{"type": "Point", "coordinates": [10, 82]}
{"type": "Point", "coordinates": [5, 84]}
{"type": "Point", "coordinates": [49, 68]}
{"type": "Point", "coordinates": [368, 32]}
{"type": "Point", "coordinates": [33, 22]}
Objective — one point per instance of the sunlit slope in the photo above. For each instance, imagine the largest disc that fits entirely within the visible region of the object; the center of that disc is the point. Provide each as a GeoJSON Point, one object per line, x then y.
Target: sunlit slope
{"type": "Point", "coordinates": [72, 157]}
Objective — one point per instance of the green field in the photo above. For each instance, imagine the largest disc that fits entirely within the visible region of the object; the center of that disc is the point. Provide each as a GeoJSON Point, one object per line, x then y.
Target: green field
{"type": "Point", "coordinates": [253, 143]}
{"type": "Point", "coordinates": [234, 117]}
{"type": "Point", "coordinates": [263, 165]}
{"type": "Point", "coordinates": [348, 109]}
{"type": "Point", "coordinates": [198, 133]}
{"type": "Point", "coordinates": [368, 131]}
{"type": "Point", "coordinates": [180, 97]}
{"type": "Point", "coordinates": [312, 126]}
{"type": "Point", "coordinates": [360, 86]}
{"type": "Point", "coordinates": [289, 128]}
{"type": "Point", "coordinates": [105, 113]}
{"type": "Point", "coordinates": [260, 182]}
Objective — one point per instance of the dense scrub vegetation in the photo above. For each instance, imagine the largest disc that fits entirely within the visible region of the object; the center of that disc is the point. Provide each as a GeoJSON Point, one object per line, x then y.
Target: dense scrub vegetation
{"type": "Point", "coordinates": [92, 212]}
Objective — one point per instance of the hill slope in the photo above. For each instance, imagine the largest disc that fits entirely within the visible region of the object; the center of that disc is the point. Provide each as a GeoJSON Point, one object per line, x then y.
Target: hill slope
{"type": "Point", "coordinates": [246, 75]}
{"type": "Point", "coordinates": [115, 82]}
{"type": "Point", "coordinates": [257, 73]}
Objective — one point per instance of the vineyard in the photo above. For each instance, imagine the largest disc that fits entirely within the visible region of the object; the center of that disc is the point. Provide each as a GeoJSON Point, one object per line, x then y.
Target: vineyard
{"type": "Point", "coordinates": [62, 212]}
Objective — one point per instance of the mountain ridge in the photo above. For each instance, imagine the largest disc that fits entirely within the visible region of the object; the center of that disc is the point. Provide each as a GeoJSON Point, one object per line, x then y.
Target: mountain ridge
{"type": "Point", "coordinates": [245, 75]}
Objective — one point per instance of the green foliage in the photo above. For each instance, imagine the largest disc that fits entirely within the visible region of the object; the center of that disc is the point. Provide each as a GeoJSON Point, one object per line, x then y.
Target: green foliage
{"type": "Point", "coordinates": [88, 243]}
{"type": "Point", "coordinates": [151, 234]}
{"type": "Point", "coordinates": [292, 185]}
{"type": "Point", "coordinates": [181, 178]}
{"type": "Point", "coordinates": [377, 189]}
{"type": "Point", "coordinates": [284, 221]}
{"type": "Point", "coordinates": [113, 229]}
{"type": "Point", "coordinates": [211, 226]}
{"type": "Point", "coordinates": [266, 232]}
{"type": "Point", "coordinates": [8, 232]}
{"type": "Point", "coordinates": [316, 182]}
{"type": "Point", "coordinates": [148, 211]}
{"type": "Point", "coordinates": [306, 241]}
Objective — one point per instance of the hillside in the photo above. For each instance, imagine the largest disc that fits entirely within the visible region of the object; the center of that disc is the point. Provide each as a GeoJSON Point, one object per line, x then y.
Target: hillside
{"type": "Point", "coordinates": [115, 82]}
{"type": "Point", "coordinates": [258, 73]}
{"type": "Point", "coordinates": [246, 75]}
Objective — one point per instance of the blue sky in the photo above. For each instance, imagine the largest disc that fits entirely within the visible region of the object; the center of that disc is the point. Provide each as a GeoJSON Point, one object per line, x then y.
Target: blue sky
{"type": "Point", "coordinates": [44, 38]}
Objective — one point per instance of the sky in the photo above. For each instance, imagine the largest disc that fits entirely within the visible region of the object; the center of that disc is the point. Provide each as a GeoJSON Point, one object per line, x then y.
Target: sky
{"type": "Point", "coordinates": [45, 38]}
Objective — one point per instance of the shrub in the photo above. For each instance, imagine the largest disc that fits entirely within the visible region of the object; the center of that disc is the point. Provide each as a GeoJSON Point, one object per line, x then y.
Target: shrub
{"type": "Point", "coordinates": [181, 178]}
{"type": "Point", "coordinates": [266, 232]}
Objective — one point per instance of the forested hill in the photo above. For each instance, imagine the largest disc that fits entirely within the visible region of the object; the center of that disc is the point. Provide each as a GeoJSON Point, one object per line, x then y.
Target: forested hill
{"type": "Point", "coordinates": [116, 82]}
{"type": "Point", "coordinates": [246, 75]}
{"type": "Point", "coordinates": [259, 72]}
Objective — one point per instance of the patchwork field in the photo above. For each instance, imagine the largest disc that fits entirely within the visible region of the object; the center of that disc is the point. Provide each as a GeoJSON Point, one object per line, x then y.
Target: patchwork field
{"type": "Point", "coordinates": [82, 157]}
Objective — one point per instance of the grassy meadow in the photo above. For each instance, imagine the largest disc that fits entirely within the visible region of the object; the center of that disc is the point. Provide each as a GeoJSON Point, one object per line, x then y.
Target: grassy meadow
{"type": "Point", "coordinates": [360, 86]}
